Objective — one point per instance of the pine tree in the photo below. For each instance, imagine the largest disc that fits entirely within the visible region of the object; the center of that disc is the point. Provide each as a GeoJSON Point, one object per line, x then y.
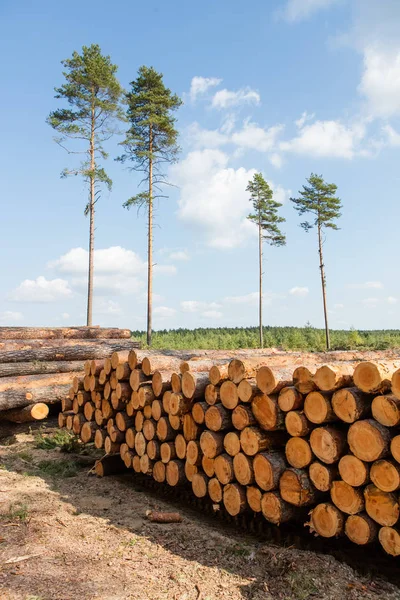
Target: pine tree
{"type": "Point", "coordinates": [93, 94]}
{"type": "Point", "coordinates": [150, 143]}
{"type": "Point", "coordinates": [318, 199]}
{"type": "Point", "coordinates": [266, 218]}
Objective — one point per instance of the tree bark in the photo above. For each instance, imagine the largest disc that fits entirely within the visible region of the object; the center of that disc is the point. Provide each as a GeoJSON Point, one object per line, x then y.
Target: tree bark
{"type": "Point", "coordinates": [150, 242]}
{"type": "Point", "coordinates": [68, 352]}
{"type": "Point", "coordinates": [36, 368]}
{"type": "Point", "coordinates": [55, 333]}
{"type": "Point", "coordinates": [32, 412]}
{"type": "Point", "coordinates": [323, 283]}
{"type": "Point", "coordinates": [260, 257]}
{"type": "Point", "coordinates": [91, 215]}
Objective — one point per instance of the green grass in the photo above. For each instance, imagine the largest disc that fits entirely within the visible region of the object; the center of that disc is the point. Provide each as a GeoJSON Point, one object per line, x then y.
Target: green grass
{"type": "Point", "coordinates": [60, 468]}
{"type": "Point", "coordinates": [65, 440]}
{"type": "Point", "coordinates": [17, 512]}
{"type": "Point", "coordinates": [306, 338]}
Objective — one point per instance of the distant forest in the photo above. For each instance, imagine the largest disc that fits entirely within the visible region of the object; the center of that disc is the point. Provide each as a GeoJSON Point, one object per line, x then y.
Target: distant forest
{"type": "Point", "coordinates": [288, 338]}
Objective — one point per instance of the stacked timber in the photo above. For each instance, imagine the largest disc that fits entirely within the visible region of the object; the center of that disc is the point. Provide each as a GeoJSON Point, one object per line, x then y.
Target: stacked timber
{"type": "Point", "coordinates": [293, 438]}
{"type": "Point", "coordinates": [38, 364]}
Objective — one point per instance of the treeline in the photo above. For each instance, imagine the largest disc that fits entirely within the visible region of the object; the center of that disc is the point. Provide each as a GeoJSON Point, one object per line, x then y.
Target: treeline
{"type": "Point", "coordinates": [288, 338]}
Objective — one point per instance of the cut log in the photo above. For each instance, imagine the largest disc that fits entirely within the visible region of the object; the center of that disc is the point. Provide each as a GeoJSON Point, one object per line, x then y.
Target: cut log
{"type": "Point", "coordinates": [146, 395]}
{"type": "Point", "coordinates": [200, 485]}
{"type": "Point", "coordinates": [298, 452]}
{"type": "Point", "coordinates": [130, 435]}
{"type": "Point", "coordinates": [163, 517]}
{"type": "Point", "coordinates": [199, 412]}
{"type": "Point", "coordinates": [66, 404]}
{"type": "Point", "coordinates": [161, 382]}
{"type": "Point", "coordinates": [386, 410]}
{"type": "Point", "coordinates": [208, 466]}
{"type": "Point", "coordinates": [99, 438]}
{"type": "Point", "coordinates": [156, 409]}
{"type": "Point", "coordinates": [88, 431]}
{"type": "Point", "coordinates": [159, 471]}
{"type": "Point", "coordinates": [96, 367]}
{"type": "Point", "coordinates": [224, 469]}
{"type": "Point", "coordinates": [179, 404]}
{"type": "Point", "coordinates": [119, 358]}
{"type": "Point", "coordinates": [40, 367]}
{"type": "Point", "coordinates": [272, 380]}
{"type": "Point", "coordinates": [275, 509]}
{"type": "Point", "coordinates": [234, 498]}
{"type": "Point", "coordinates": [136, 378]}
{"type": "Point", "coordinates": [375, 377]}
{"type": "Point", "coordinates": [322, 475]}
{"type": "Point", "coordinates": [58, 333]}
{"type": "Point", "coordinates": [180, 446]}
{"type": "Point", "coordinates": [267, 412]}
{"type": "Point", "coordinates": [159, 362]}
{"type": "Point", "coordinates": [395, 448]}
{"type": "Point", "coordinates": [382, 507]}
{"type": "Point", "coordinates": [153, 450]}
{"type": "Point", "coordinates": [32, 412]}
{"type": "Point", "coordinates": [164, 431]}
{"type": "Point", "coordinates": [149, 429]}
{"type": "Point", "coordinates": [167, 452]}
{"type": "Point", "coordinates": [123, 422]}
{"type": "Point", "coordinates": [303, 380]}
{"type": "Point", "coordinates": [218, 373]}
{"type": "Point", "coordinates": [395, 384]}
{"type": "Point", "coordinates": [353, 471]}
{"type": "Point", "coordinates": [139, 420]}
{"type": "Point", "coordinates": [318, 408]}
{"type": "Point", "coordinates": [63, 352]}
{"type": "Point", "coordinates": [140, 443]}
{"type": "Point", "coordinates": [268, 468]}
{"type": "Point", "coordinates": [166, 400]}
{"type": "Point", "coordinates": [218, 418]}
{"type": "Point", "coordinates": [232, 443]}
{"type": "Point", "coordinates": [252, 440]}
{"type": "Point", "coordinates": [244, 369]}
{"type": "Point", "coordinates": [296, 488]}
{"type": "Point", "coordinates": [247, 389]}
{"type": "Point", "coordinates": [328, 444]}
{"type": "Point", "coordinates": [369, 440]}
{"type": "Point", "coordinates": [111, 447]}
{"type": "Point", "coordinates": [347, 498]}
{"type": "Point", "coordinates": [326, 520]}
{"type": "Point", "coordinates": [351, 404]}
{"type": "Point", "coordinates": [229, 394]}
{"type": "Point", "coordinates": [175, 422]}
{"type": "Point", "coordinates": [329, 378]}
{"type": "Point", "coordinates": [361, 529]}
{"type": "Point", "coordinates": [242, 416]}
{"type": "Point", "coordinates": [135, 358]}
{"type": "Point", "coordinates": [290, 399]}
{"type": "Point", "coordinates": [146, 465]}
{"type": "Point", "coordinates": [215, 490]}
{"type": "Point", "coordinates": [390, 540]}
{"type": "Point", "coordinates": [109, 465]}
{"type": "Point", "coordinates": [175, 472]}
{"type": "Point", "coordinates": [297, 424]}
{"type": "Point", "coordinates": [17, 392]}
{"type": "Point", "coordinates": [243, 468]}
{"type": "Point", "coordinates": [253, 497]}
{"type": "Point", "coordinates": [385, 474]}
{"type": "Point", "coordinates": [190, 471]}
{"type": "Point", "coordinates": [190, 428]}
{"type": "Point", "coordinates": [193, 453]}
{"type": "Point", "coordinates": [176, 383]}
{"type": "Point", "coordinates": [211, 394]}
{"type": "Point", "coordinates": [122, 371]}
{"type": "Point", "coordinates": [194, 384]}
{"type": "Point", "coordinates": [211, 443]}
{"type": "Point", "coordinates": [136, 463]}
{"type": "Point", "coordinates": [77, 423]}
{"type": "Point", "coordinates": [89, 410]}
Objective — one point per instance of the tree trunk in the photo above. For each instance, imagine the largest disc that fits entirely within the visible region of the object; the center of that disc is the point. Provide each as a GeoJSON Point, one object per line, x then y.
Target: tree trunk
{"type": "Point", "coordinates": [68, 352]}
{"type": "Point", "coordinates": [353, 471]}
{"type": "Point", "coordinates": [150, 242]}
{"type": "Point", "coordinates": [347, 498]}
{"type": "Point", "coordinates": [323, 283]}
{"type": "Point", "coordinates": [37, 368]}
{"type": "Point", "coordinates": [327, 520]}
{"type": "Point", "coordinates": [91, 216]}
{"type": "Point", "coordinates": [56, 333]}
{"type": "Point", "coordinates": [32, 412]}
{"type": "Point", "coordinates": [361, 529]}
{"type": "Point", "coordinates": [260, 257]}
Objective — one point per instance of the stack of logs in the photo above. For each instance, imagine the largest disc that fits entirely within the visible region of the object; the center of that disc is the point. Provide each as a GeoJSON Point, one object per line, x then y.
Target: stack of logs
{"type": "Point", "coordinates": [293, 440]}
{"type": "Point", "coordinates": [37, 364]}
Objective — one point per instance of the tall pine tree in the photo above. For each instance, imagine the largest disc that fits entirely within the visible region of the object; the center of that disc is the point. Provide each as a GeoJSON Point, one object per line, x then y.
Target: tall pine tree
{"type": "Point", "coordinates": [93, 93]}
{"type": "Point", "coordinates": [150, 143]}
{"type": "Point", "coordinates": [266, 217]}
{"type": "Point", "coordinates": [319, 199]}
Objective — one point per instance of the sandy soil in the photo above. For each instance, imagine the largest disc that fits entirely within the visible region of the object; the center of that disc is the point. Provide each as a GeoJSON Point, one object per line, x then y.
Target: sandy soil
{"type": "Point", "coordinates": [83, 538]}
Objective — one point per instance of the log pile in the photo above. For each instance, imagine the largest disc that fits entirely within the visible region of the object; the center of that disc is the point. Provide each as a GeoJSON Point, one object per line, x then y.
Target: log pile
{"type": "Point", "coordinates": [294, 439]}
{"type": "Point", "coordinates": [37, 365]}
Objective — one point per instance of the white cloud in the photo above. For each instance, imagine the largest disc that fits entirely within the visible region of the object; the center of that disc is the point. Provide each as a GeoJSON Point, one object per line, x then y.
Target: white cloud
{"type": "Point", "coordinates": [193, 306]}
{"type": "Point", "coordinates": [200, 85]}
{"type": "Point", "coordinates": [9, 317]}
{"type": "Point", "coordinates": [251, 298]}
{"type": "Point", "coordinates": [370, 302]}
{"type": "Point", "coordinates": [41, 290]}
{"type": "Point", "coordinates": [380, 82]}
{"type": "Point", "coordinates": [205, 138]}
{"type": "Point", "coordinates": [106, 260]}
{"type": "Point", "coordinates": [212, 314]}
{"type": "Point", "coordinates": [298, 291]}
{"type": "Point", "coordinates": [276, 160]}
{"type": "Point", "coordinates": [392, 300]}
{"type": "Point", "coordinates": [228, 98]}
{"type": "Point", "coordinates": [326, 139]}
{"type": "Point", "coordinates": [179, 255]}
{"type": "Point", "coordinates": [255, 137]}
{"type": "Point", "coordinates": [391, 135]}
{"type": "Point", "coordinates": [298, 10]}
{"type": "Point", "coordinates": [213, 197]}
{"type": "Point", "coordinates": [368, 285]}
{"type": "Point", "coordinates": [165, 269]}
{"type": "Point", "coordinates": [107, 307]}
{"type": "Point", "coordinates": [303, 119]}
{"type": "Point", "coordinates": [164, 312]}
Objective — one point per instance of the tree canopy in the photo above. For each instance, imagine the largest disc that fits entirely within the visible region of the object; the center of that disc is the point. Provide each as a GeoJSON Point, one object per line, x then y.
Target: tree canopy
{"type": "Point", "coordinates": [318, 199]}
{"type": "Point", "coordinates": [265, 211]}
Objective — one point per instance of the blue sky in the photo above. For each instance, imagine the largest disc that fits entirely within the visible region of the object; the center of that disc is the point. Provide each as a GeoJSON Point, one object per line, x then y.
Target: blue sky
{"type": "Point", "coordinates": [286, 87]}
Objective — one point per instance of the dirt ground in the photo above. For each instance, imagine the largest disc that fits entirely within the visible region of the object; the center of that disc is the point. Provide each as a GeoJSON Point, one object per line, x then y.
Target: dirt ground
{"type": "Point", "coordinates": [83, 538]}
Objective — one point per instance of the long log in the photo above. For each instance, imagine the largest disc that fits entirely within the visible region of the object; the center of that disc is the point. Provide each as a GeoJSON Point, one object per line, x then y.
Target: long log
{"type": "Point", "coordinates": [32, 412]}
{"type": "Point", "coordinates": [75, 333]}
{"type": "Point", "coordinates": [39, 367]}
{"type": "Point", "coordinates": [81, 351]}
{"type": "Point", "coordinates": [33, 389]}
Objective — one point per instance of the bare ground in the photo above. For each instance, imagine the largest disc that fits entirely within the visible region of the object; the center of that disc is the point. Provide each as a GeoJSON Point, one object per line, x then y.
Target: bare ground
{"type": "Point", "coordinates": [83, 538]}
